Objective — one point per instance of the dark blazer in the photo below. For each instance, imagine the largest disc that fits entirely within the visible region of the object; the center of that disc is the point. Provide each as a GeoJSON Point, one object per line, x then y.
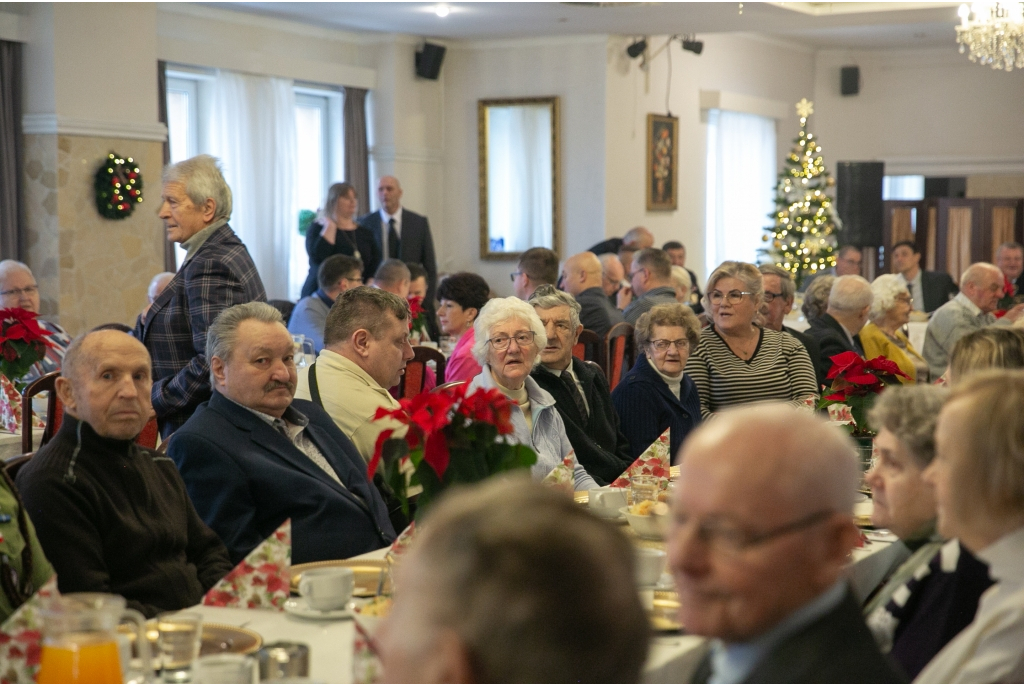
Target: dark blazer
{"type": "Point", "coordinates": [597, 313]}
{"type": "Point", "coordinates": [346, 243]}
{"type": "Point", "coordinates": [837, 648]}
{"type": "Point", "coordinates": [600, 446]}
{"type": "Point", "coordinates": [813, 351]}
{"type": "Point", "coordinates": [416, 244]}
{"type": "Point", "coordinates": [647, 407]}
{"type": "Point", "coordinates": [246, 479]}
{"type": "Point", "coordinates": [831, 339]}
{"type": "Point", "coordinates": [938, 289]}
{"type": "Point", "coordinates": [611, 245]}
{"type": "Point", "coordinates": [220, 274]}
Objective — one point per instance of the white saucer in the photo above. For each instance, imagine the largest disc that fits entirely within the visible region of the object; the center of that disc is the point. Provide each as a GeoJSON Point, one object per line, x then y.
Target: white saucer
{"type": "Point", "coordinates": [861, 497]}
{"type": "Point", "coordinates": [297, 606]}
{"type": "Point", "coordinates": [609, 513]}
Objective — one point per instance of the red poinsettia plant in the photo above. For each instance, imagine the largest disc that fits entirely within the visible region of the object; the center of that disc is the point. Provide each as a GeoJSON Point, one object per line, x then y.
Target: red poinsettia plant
{"type": "Point", "coordinates": [417, 317]}
{"type": "Point", "coordinates": [451, 437]}
{"type": "Point", "coordinates": [856, 382]}
{"type": "Point", "coordinates": [1008, 300]}
{"type": "Point", "coordinates": [23, 342]}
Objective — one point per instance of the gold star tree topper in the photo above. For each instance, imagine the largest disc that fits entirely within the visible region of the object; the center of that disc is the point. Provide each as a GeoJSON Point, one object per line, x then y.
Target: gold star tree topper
{"type": "Point", "coordinates": [805, 108]}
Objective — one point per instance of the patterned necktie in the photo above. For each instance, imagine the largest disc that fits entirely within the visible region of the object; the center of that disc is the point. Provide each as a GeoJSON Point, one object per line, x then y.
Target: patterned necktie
{"type": "Point", "coordinates": [393, 240]}
{"type": "Point", "coordinates": [574, 392]}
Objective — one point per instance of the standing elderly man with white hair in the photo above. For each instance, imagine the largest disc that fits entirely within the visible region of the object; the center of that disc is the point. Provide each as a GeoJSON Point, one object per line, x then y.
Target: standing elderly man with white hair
{"type": "Point", "coordinates": [216, 274]}
{"type": "Point", "coordinates": [981, 288]}
{"type": "Point", "coordinates": [18, 288]}
{"type": "Point", "coordinates": [758, 543]}
{"type": "Point", "coordinates": [838, 329]}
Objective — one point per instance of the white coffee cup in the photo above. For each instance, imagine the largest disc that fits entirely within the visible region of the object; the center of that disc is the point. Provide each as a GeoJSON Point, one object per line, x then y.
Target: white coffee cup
{"type": "Point", "coordinates": [608, 498]}
{"type": "Point", "coordinates": [326, 589]}
{"type": "Point", "coordinates": [650, 564]}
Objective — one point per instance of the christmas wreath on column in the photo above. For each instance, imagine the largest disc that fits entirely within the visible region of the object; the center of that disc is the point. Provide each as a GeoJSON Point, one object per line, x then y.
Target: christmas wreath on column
{"type": "Point", "coordinates": [118, 187]}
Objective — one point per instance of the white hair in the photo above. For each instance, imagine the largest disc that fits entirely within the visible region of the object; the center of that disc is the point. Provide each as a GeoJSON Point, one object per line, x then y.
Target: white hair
{"type": "Point", "coordinates": [850, 294]}
{"type": "Point", "coordinates": [203, 180]}
{"type": "Point", "coordinates": [974, 273]}
{"type": "Point", "coordinates": [681, 278]}
{"type": "Point", "coordinates": [496, 312]}
{"type": "Point", "coordinates": [9, 266]}
{"type": "Point", "coordinates": [885, 289]}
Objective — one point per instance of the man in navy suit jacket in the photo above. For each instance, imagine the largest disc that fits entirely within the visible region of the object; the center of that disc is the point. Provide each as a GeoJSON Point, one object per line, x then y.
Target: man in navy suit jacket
{"type": "Point", "coordinates": [253, 456]}
{"type": "Point", "coordinates": [218, 272]}
{"type": "Point", "coordinates": [402, 234]}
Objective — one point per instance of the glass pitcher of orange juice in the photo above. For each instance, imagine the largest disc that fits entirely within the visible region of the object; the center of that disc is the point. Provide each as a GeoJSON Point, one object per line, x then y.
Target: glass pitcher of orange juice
{"type": "Point", "coordinates": [80, 639]}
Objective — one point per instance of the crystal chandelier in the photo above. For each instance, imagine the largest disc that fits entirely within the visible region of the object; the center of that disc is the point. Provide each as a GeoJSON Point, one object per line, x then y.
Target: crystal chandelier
{"type": "Point", "coordinates": [993, 32]}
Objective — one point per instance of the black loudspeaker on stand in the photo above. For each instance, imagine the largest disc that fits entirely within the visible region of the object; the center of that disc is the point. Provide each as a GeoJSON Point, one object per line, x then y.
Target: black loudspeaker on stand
{"type": "Point", "coordinates": [428, 61]}
{"type": "Point", "coordinates": [859, 202]}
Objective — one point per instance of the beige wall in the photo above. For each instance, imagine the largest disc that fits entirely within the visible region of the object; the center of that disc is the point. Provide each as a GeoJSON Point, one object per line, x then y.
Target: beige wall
{"type": "Point", "coordinates": [995, 185]}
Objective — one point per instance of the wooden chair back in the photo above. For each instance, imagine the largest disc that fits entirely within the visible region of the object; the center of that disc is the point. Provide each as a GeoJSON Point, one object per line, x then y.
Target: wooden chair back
{"type": "Point", "coordinates": [54, 410]}
{"type": "Point", "coordinates": [621, 352]}
{"type": "Point", "coordinates": [411, 383]}
{"type": "Point", "coordinates": [445, 386]}
{"type": "Point", "coordinates": [591, 348]}
{"type": "Point", "coordinates": [149, 435]}
{"type": "Point", "coordinates": [14, 464]}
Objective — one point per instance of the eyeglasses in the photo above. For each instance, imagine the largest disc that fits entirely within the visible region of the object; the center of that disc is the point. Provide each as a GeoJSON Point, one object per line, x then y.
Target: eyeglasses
{"type": "Point", "coordinates": [18, 292]}
{"type": "Point", "coordinates": [732, 297]}
{"type": "Point", "coordinates": [729, 539]}
{"type": "Point", "coordinates": [516, 274]}
{"type": "Point", "coordinates": [769, 297]}
{"type": "Point", "coordinates": [501, 342]}
{"type": "Point", "coordinates": [661, 345]}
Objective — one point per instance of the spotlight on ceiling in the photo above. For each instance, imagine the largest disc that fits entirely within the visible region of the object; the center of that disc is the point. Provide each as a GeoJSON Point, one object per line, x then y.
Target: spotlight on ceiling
{"type": "Point", "coordinates": [693, 45]}
{"type": "Point", "coordinates": [442, 10]}
{"type": "Point", "coordinates": [637, 48]}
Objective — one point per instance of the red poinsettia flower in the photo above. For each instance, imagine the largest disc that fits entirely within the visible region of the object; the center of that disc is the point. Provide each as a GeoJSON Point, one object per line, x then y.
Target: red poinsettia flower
{"type": "Point", "coordinates": [850, 367]}
{"type": "Point", "coordinates": [20, 324]}
{"type": "Point", "coordinates": [435, 453]}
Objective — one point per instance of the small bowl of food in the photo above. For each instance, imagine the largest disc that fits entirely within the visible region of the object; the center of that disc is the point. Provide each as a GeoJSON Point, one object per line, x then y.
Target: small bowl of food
{"type": "Point", "coordinates": [370, 614]}
{"type": "Point", "coordinates": [648, 519]}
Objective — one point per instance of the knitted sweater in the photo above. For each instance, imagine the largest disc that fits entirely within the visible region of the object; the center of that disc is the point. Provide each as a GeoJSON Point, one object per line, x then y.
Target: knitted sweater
{"type": "Point", "coordinates": [115, 517]}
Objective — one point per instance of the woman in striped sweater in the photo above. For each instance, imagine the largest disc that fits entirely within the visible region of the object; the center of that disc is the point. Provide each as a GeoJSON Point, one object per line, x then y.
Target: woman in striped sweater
{"type": "Point", "coordinates": [737, 361]}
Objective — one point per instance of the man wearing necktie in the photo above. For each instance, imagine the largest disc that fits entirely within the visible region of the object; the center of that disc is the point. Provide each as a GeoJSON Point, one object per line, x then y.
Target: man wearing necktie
{"type": "Point", "coordinates": [580, 390]}
{"type": "Point", "coordinates": [402, 234]}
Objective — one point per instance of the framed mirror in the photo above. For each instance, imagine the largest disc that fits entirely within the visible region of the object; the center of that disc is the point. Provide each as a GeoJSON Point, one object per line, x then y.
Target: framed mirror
{"type": "Point", "coordinates": [519, 177]}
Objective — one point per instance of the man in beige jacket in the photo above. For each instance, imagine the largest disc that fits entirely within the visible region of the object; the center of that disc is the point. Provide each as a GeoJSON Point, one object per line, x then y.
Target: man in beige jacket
{"type": "Point", "coordinates": [366, 348]}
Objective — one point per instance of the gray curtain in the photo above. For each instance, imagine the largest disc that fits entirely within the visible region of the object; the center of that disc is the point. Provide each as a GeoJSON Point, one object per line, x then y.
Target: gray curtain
{"type": "Point", "coordinates": [357, 156]}
{"type": "Point", "coordinates": [12, 225]}
{"type": "Point", "coordinates": [161, 80]}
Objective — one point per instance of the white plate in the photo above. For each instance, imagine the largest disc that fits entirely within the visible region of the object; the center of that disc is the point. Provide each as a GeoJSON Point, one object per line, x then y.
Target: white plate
{"type": "Point", "coordinates": [297, 606]}
{"type": "Point", "coordinates": [861, 497]}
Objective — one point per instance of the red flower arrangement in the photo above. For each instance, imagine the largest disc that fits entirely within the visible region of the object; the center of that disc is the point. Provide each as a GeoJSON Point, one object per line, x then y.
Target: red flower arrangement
{"type": "Point", "coordinates": [23, 342]}
{"type": "Point", "coordinates": [417, 316]}
{"type": "Point", "coordinates": [451, 437]}
{"type": "Point", "coordinates": [856, 383]}
{"type": "Point", "coordinates": [1008, 299]}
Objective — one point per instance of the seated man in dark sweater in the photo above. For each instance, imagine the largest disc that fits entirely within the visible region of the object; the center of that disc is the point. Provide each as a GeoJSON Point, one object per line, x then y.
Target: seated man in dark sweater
{"type": "Point", "coordinates": [113, 516]}
{"type": "Point", "coordinates": [254, 456]}
{"type": "Point", "coordinates": [580, 390]}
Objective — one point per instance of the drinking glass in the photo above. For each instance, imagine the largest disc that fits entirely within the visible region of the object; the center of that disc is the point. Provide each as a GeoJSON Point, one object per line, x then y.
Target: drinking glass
{"type": "Point", "coordinates": [644, 488]}
{"type": "Point", "coordinates": [308, 352]}
{"type": "Point", "coordinates": [298, 339]}
{"type": "Point", "coordinates": [180, 636]}
{"type": "Point", "coordinates": [227, 668]}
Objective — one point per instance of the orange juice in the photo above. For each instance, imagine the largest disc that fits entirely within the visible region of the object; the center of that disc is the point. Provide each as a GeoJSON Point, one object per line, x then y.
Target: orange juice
{"type": "Point", "coordinates": [79, 659]}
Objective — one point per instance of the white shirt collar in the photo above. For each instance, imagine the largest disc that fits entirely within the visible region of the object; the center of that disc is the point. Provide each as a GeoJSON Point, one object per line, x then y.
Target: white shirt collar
{"type": "Point", "coordinates": [1004, 557]}
{"type": "Point", "coordinates": [397, 216]}
{"type": "Point", "coordinates": [966, 302]}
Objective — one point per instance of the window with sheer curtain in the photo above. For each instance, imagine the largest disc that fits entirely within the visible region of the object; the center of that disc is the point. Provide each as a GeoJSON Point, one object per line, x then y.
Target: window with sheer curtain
{"type": "Point", "coordinates": [280, 145]}
{"type": "Point", "coordinates": [741, 178]}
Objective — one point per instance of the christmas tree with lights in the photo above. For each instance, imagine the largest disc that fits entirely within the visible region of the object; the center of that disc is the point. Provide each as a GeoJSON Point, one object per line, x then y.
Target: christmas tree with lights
{"type": "Point", "coordinates": [802, 239]}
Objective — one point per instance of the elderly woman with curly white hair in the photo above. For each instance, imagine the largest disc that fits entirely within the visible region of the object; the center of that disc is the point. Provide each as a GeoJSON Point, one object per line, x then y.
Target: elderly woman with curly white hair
{"type": "Point", "coordinates": [509, 337]}
{"type": "Point", "coordinates": [881, 336]}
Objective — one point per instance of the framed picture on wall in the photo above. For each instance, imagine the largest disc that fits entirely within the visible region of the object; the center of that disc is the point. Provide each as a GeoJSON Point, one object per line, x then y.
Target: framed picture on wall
{"type": "Point", "coordinates": [662, 162]}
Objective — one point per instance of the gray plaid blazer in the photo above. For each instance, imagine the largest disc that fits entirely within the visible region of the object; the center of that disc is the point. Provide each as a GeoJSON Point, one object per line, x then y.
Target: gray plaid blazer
{"type": "Point", "coordinates": [220, 274]}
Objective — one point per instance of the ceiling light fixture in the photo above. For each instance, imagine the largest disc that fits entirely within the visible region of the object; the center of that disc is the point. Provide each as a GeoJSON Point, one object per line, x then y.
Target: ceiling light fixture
{"type": "Point", "coordinates": [637, 48]}
{"type": "Point", "coordinates": [993, 33]}
{"type": "Point", "coordinates": [442, 10]}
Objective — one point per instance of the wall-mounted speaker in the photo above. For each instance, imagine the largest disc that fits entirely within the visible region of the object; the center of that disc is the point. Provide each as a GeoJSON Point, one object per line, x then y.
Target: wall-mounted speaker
{"type": "Point", "coordinates": [428, 61]}
{"type": "Point", "coordinates": [859, 202]}
{"type": "Point", "coordinates": [849, 80]}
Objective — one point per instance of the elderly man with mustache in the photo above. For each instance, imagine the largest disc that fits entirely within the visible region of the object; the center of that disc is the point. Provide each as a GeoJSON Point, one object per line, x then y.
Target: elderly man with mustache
{"type": "Point", "coordinates": [253, 456]}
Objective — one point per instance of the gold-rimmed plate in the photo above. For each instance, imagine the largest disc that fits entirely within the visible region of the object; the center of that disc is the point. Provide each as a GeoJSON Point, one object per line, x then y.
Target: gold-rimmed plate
{"type": "Point", "coordinates": [664, 612]}
{"type": "Point", "coordinates": [220, 638]}
{"type": "Point", "coordinates": [367, 574]}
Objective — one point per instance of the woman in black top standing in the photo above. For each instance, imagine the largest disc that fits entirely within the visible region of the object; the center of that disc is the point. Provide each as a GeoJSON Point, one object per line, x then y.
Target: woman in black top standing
{"type": "Point", "coordinates": [336, 232]}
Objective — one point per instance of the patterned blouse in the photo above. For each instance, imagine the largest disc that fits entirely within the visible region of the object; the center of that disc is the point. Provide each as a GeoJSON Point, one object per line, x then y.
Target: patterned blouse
{"type": "Point", "coordinates": [54, 355]}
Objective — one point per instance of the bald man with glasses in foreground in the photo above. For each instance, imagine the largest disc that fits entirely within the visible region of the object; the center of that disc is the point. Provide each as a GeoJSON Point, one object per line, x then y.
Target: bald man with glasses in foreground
{"type": "Point", "coordinates": [761, 531]}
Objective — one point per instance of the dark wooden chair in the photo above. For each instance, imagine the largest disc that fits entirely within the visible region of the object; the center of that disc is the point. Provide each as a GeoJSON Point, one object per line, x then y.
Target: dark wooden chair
{"type": "Point", "coordinates": [54, 410]}
{"type": "Point", "coordinates": [412, 381]}
{"type": "Point", "coordinates": [445, 386]}
{"type": "Point", "coordinates": [286, 308]}
{"type": "Point", "coordinates": [591, 348]}
{"type": "Point", "coordinates": [621, 352]}
{"type": "Point", "coordinates": [14, 464]}
{"type": "Point", "coordinates": [149, 435]}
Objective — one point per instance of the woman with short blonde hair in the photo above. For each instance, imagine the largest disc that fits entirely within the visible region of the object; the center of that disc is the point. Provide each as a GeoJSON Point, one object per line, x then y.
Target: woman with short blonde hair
{"type": "Point", "coordinates": [737, 360]}
{"type": "Point", "coordinates": [992, 347]}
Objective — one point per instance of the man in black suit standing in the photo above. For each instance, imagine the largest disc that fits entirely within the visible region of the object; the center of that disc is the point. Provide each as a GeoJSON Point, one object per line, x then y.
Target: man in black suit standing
{"type": "Point", "coordinates": [837, 330]}
{"type": "Point", "coordinates": [758, 544]}
{"type": "Point", "coordinates": [581, 392]}
{"type": "Point", "coordinates": [402, 234]}
{"type": "Point", "coordinates": [930, 289]}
